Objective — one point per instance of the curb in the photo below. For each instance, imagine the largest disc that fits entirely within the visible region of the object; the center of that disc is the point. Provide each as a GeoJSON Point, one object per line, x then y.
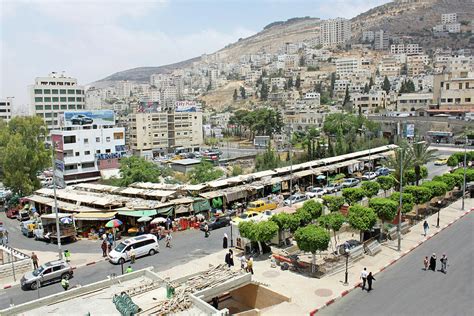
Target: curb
{"type": "Point", "coordinates": [357, 285]}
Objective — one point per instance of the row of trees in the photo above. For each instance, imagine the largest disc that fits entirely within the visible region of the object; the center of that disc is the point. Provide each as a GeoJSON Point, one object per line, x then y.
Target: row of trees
{"type": "Point", "coordinates": [263, 121]}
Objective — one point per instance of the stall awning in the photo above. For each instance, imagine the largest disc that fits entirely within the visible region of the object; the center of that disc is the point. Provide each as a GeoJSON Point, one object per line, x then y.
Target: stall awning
{"type": "Point", "coordinates": [235, 195]}
{"type": "Point", "coordinates": [211, 195]}
{"type": "Point", "coordinates": [182, 209]}
{"type": "Point", "coordinates": [165, 211]}
{"type": "Point", "coordinates": [304, 173]}
{"type": "Point", "coordinates": [39, 199]}
{"type": "Point", "coordinates": [138, 213]}
{"type": "Point", "coordinates": [201, 205]}
{"type": "Point", "coordinates": [95, 216]}
{"type": "Point", "coordinates": [53, 215]}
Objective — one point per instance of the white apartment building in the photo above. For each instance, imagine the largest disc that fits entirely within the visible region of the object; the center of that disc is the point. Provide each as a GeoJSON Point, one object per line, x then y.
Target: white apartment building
{"type": "Point", "coordinates": [368, 103]}
{"type": "Point", "coordinates": [5, 110]}
{"type": "Point", "coordinates": [303, 119]}
{"type": "Point", "coordinates": [124, 88]}
{"type": "Point", "coordinates": [154, 134]}
{"type": "Point", "coordinates": [409, 102]}
{"type": "Point", "coordinates": [347, 66]}
{"type": "Point", "coordinates": [314, 97]}
{"type": "Point", "coordinates": [52, 95]}
{"type": "Point", "coordinates": [279, 82]}
{"type": "Point", "coordinates": [291, 48]}
{"type": "Point", "coordinates": [449, 18]}
{"type": "Point", "coordinates": [408, 49]}
{"type": "Point", "coordinates": [368, 36]}
{"type": "Point", "coordinates": [381, 40]}
{"type": "Point", "coordinates": [335, 31]}
{"type": "Point", "coordinates": [83, 152]}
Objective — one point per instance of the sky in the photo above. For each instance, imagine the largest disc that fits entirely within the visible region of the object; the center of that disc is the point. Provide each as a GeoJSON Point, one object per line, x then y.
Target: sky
{"type": "Point", "coordinates": [90, 40]}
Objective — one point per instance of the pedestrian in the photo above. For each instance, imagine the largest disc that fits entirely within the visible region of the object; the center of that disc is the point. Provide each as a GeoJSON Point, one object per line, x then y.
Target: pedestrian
{"type": "Point", "coordinates": [426, 262]}
{"type": "Point", "coordinates": [370, 278]}
{"type": "Point", "coordinates": [104, 248]}
{"type": "Point", "coordinates": [426, 227]}
{"type": "Point", "coordinates": [229, 258]}
{"type": "Point", "coordinates": [34, 257]}
{"type": "Point", "coordinates": [129, 269]}
{"type": "Point", "coordinates": [224, 242]}
{"type": "Point", "coordinates": [168, 223]}
{"type": "Point", "coordinates": [168, 240]}
{"type": "Point", "coordinates": [243, 263]}
{"type": "Point", "coordinates": [444, 263]}
{"type": "Point", "coordinates": [6, 236]}
{"type": "Point", "coordinates": [215, 302]}
{"type": "Point", "coordinates": [67, 255]}
{"type": "Point", "coordinates": [65, 283]}
{"type": "Point", "coordinates": [363, 276]}
{"type": "Point", "coordinates": [206, 230]}
{"type": "Point", "coordinates": [433, 262]}
{"type": "Point", "coordinates": [131, 255]}
{"type": "Point", "coordinates": [109, 247]}
{"type": "Point", "coordinates": [250, 265]}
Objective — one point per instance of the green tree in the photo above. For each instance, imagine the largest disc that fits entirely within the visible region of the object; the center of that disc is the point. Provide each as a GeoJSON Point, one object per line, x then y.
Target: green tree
{"type": "Point", "coordinates": [453, 161]}
{"type": "Point", "coordinates": [333, 221]}
{"type": "Point", "coordinates": [333, 82]}
{"type": "Point", "coordinates": [333, 203]}
{"type": "Point", "coordinates": [235, 96]}
{"type": "Point", "coordinates": [469, 173]}
{"type": "Point", "coordinates": [204, 172]}
{"type": "Point", "coordinates": [298, 82]}
{"type": "Point", "coordinates": [401, 156]}
{"type": "Point", "coordinates": [264, 92]}
{"type": "Point", "coordinates": [386, 85]}
{"type": "Point", "coordinates": [314, 208]}
{"type": "Point", "coordinates": [437, 188]}
{"type": "Point", "coordinates": [371, 188]}
{"type": "Point", "coordinates": [23, 154]}
{"type": "Point", "coordinates": [347, 98]}
{"type": "Point", "coordinates": [236, 170]}
{"type": "Point", "coordinates": [259, 232]}
{"type": "Point", "coordinates": [420, 194]}
{"type": "Point", "coordinates": [312, 239]}
{"type": "Point", "coordinates": [290, 83]}
{"type": "Point", "coordinates": [407, 201]}
{"type": "Point", "coordinates": [286, 221]}
{"type": "Point", "coordinates": [353, 195]}
{"type": "Point", "coordinates": [386, 183]}
{"type": "Point", "coordinates": [386, 209]}
{"type": "Point", "coordinates": [136, 169]}
{"type": "Point", "coordinates": [268, 160]}
{"type": "Point", "coordinates": [410, 174]}
{"type": "Point", "coordinates": [243, 94]}
{"type": "Point", "coordinates": [304, 216]}
{"type": "Point", "coordinates": [451, 180]}
{"type": "Point", "coordinates": [361, 218]}
{"type": "Point", "coordinates": [421, 155]}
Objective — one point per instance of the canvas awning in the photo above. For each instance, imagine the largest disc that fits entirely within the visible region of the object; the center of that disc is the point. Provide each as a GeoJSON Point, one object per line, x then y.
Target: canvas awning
{"type": "Point", "coordinates": [182, 209]}
{"type": "Point", "coordinates": [39, 199]}
{"type": "Point", "coordinates": [165, 211]}
{"type": "Point", "coordinates": [105, 216]}
{"type": "Point", "coordinates": [235, 195]}
{"type": "Point", "coordinates": [212, 194]}
{"type": "Point", "coordinates": [193, 187]}
{"type": "Point", "coordinates": [138, 213]}
{"type": "Point", "coordinates": [201, 205]}
{"type": "Point", "coordinates": [304, 173]}
{"type": "Point", "coordinates": [53, 215]}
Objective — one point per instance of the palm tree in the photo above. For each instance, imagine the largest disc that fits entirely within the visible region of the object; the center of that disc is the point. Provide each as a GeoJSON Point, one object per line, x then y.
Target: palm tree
{"type": "Point", "coordinates": [421, 154]}
{"type": "Point", "coordinates": [403, 159]}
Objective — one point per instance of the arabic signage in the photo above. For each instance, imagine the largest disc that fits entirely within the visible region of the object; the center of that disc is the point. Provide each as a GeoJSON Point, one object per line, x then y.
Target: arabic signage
{"type": "Point", "coordinates": [81, 118]}
{"type": "Point", "coordinates": [148, 107]}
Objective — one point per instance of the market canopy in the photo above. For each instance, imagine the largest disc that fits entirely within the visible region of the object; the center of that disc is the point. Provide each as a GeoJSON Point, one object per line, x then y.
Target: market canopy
{"type": "Point", "coordinates": [105, 216]}
{"type": "Point", "coordinates": [138, 213]}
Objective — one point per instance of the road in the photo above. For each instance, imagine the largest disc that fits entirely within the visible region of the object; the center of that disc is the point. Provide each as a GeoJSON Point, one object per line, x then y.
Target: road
{"type": "Point", "coordinates": [406, 289]}
{"type": "Point", "coordinates": [186, 246]}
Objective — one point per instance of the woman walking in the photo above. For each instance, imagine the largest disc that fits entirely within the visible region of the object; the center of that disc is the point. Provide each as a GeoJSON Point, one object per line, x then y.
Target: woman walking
{"type": "Point", "coordinates": [426, 262]}
{"type": "Point", "coordinates": [224, 241]}
{"type": "Point", "coordinates": [433, 262]}
{"type": "Point", "coordinates": [370, 278]}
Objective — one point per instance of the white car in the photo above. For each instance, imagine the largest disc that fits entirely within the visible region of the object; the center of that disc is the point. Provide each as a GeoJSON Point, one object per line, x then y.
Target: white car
{"type": "Point", "coordinates": [369, 176]}
{"type": "Point", "coordinates": [296, 198]}
{"type": "Point", "coordinates": [142, 245]}
{"type": "Point", "coordinates": [315, 192]}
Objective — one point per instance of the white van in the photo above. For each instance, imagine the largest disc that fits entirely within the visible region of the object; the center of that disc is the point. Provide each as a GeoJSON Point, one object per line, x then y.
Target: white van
{"type": "Point", "coordinates": [142, 245]}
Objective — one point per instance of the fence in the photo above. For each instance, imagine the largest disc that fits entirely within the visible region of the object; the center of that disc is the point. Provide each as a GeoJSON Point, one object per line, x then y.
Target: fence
{"type": "Point", "coordinates": [13, 262]}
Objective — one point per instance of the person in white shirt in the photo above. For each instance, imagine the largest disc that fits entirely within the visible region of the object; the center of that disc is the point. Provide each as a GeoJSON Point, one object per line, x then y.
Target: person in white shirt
{"type": "Point", "coordinates": [363, 276]}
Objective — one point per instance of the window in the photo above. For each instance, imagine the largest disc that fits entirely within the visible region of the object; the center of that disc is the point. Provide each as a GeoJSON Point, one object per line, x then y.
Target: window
{"type": "Point", "coordinates": [55, 107]}
{"type": "Point", "coordinates": [467, 99]}
{"type": "Point", "coordinates": [71, 99]}
{"type": "Point", "coordinates": [78, 91]}
{"type": "Point", "coordinates": [55, 99]}
{"type": "Point", "coordinates": [47, 271]}
{"type": "Point", "coordinates": [450, 100]}
{"type": "Point", "coordinates": [72, 107]}
{"type": "Point", "coordinates": [69, 139]}
{"type": "Point", "coordinates": [54, 91]}
{"type": "Point", "coordinates": [76, 154]}
{"type": "Point", "coordinates": [107, 139]}
{"type": "Point", "coordinates": [47, 107]}
{"type": "Point", "coordinates": [107, 151]}
{"type": "Point", "coordinates": [62, 91]}
{"type": "Point", "coordinates": [46, 91]}
{"type": "Point", "coordinates": [443, 100]}
{"type": "Point", "coordinates": [86, 140]}
{"type": "Point", "coordinates": [447, 86]}
{"type": "Point", "coordinates": [70, 91]}
{"type": "Point", "coordinates": [63, 99]}
{"type": "Point", "coordinates": [47, 99]}
{"type": "Point", "coordinates": [63, 106]}
{"type": "Point", "coordinates": [467, 85]}
{"type": "Point", "coordinates": [38, 91]}
{"type": "Point", "coordinates": [97, 139]}
{"type": "Point", "coordinates": [457, 100]}
{"type": "Point", "coordinates": [87, 152]}
{"type": "Point", "coordinates": [79, 107]}
{"type": "Point", "coordinates": [38, 99]}
{"type": "Point", "coordinates": [460, 85]}
{"type": "Point", "coordinates": [88, 165]}
{"type": "Point", "coordinates": [119, 135]}
{"type": "Point", "coordinates": [70, 167]}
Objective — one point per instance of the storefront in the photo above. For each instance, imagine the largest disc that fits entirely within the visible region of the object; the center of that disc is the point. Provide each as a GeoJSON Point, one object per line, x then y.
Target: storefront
{"type": "Point", "coordinates": [88, 224]}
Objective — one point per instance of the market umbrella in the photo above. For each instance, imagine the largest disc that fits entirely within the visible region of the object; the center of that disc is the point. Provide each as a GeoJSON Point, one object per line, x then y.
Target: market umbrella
{"type": "Point", "coordinates": [66, 220]}
{"type": "Point", "coordinates": [114, 223]}
{"type": "Point", "coordinates": [158, 220]}
{"type": "Point", "coordinates": [144, 219]}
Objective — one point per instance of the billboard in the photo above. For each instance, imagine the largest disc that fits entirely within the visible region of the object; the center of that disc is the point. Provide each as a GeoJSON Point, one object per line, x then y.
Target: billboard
{"type": "Point", "coordinates": [148, 107]}
{"type": "Point", "coordinates": [96, 117]}
{"type": "Point", "coordinates": [410, 130]}
{"type": "Point", "coordinates": [187, 106]}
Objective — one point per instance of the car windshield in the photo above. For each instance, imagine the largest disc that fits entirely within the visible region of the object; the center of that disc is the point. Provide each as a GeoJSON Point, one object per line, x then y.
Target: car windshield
{"type": "Point", "coordinates": [244, 216]}
{"type": "Point", "coordinates": [252, 204]}
{"type": "Point", "coordinates": [38, 271]}
{"type": "Point", "coordinates": [120, 247]}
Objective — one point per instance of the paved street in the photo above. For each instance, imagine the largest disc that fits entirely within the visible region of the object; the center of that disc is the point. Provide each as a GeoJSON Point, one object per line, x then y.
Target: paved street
{"type": "Point", "coordinates": [406, 289]}
{"type": "Point", "coordinates": [186, 245]}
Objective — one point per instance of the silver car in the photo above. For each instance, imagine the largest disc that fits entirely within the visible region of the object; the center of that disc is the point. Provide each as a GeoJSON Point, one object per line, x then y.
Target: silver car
{"type": "Point", "coordinates": [50, 272]}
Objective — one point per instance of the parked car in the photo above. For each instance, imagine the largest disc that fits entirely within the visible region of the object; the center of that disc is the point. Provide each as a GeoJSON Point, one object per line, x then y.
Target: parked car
{"type": "Point", "coordinates": [245, 216]}
{"type": "Point", "coordinates": [265, 215]}
{"type": "Point", "coordinates": [315, 192]}
{"type": "Point", "coordinates": [216, 222]}
{"type": "Point", "coordinates": [261, 205]}
{"type": "Point", "coordinates": [295, 198]}
{"type": "Point", "coordinates": [50, 272]}
{"type": "Point", "coordinates": [142, 245]}
{"type": "Point", "coordinates": [27, 228]}
{"type": "Point", "coordinates": [81, 119]}
{"type": "Point", "coordinates": [382, 171]}
{"type": "Point", "coordinates": [369, 176]}
{"type": "Point", "coordinates": [350, 182]}
{"type": "Point", "coordinates": [441, 162]}
{"type": "Point", "coordinates": [333, 187]}
{"type": "Point", "coordinates": [23, 215]}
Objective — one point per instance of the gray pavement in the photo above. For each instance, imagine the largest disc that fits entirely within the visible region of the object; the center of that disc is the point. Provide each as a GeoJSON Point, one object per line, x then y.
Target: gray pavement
{"type": "Point", "coordinates": [186, 246]}
{"type": "Point", "coordinates": [406, 289]}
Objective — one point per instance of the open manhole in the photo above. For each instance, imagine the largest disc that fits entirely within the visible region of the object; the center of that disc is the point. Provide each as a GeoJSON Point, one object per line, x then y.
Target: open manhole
{"type": "Point", "coordinates": [323, 292]}
{"type": "Point", "coordinates": [271, 274]}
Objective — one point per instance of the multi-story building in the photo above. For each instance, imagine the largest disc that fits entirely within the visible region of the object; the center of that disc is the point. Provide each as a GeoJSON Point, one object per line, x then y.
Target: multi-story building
{"type": "Point", "coordinates": [279, 82]}
{"type": "Point", "coordinates": [52, 95]}
{"type": "Point", "coordinates": [410, 102]}
{"type": "Point", "coordinates": [368, 103]}
{"type": "Point", "coordinates": [416, 64]}
{"type": "Point", "coordinates": [381, 40]}
{"type": "Point", "coordinates": [335, 31]}
{"type": "Point", "coordinates": [408, 49]}
{"type": "Point", "coordinates": [347, 66]}
{"type": "Point", "coordinates": [368, 36]}
{"type": "Point", "coordinates": [449, 18]}
{"type": "Point", "coordinates": [157, 133]}
{"type": "Point", "coordinates": [303, 119]}
{"type": "Point", "coordinates": [83, 151]}
{"type": "Point", "coordinates": [389, 67]}
{"type": "Point", "coordinates": [454, 92]}
{"type": "Point", "coordinates": [5, 110]}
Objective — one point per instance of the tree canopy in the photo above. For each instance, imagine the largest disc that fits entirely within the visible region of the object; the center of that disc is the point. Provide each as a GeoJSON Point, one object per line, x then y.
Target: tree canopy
{"type": "Point", "coordinates": [407, 201]}
{"type": "Point", "coordinates": [420, 194]}
{"type": "Point", "coordinates": [353, 195]}
{"type": "Point", "coordinates": [371, 188]}
{"type": "Point", "coordinates": [386, 182]}
{"type": "Point", "coordinates": [205, 172]}
{"type": "Point", "coordinates": [136, 169]}
{"type": "Point", "coordinates": [314, 208]}
{"type": "Point", "coordinates": [438, 188]}
{"type": "Point", "coordinates": [361, 218]}
{"type": "Point", "coordinates": [312, 238]}
{"type": "Point", "coordinates": [333, 203]}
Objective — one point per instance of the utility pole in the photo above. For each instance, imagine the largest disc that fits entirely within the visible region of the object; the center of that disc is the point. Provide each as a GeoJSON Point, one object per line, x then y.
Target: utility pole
{"type": "Point", "coordinates": [399, 226]}
{"type": "Point", "coordinates": [53, 150]}
{"type": "Point", "coordinates": [291, 163]}
{"type": "Point", "coordinates": [464, 181]}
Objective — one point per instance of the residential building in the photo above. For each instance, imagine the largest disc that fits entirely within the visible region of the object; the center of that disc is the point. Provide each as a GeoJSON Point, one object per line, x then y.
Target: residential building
{"type": "Point", "coordinates": [347, 66]}
{"type": "Point", "coordinates": [368, 103]}
{"type": "Point", "coordinates": [381, 40]}
{"type": "Point", "coordinates": [368, 36]}
{"type": "Point", "coordinates": [335, 31]}
{"type": "Point", "coordinates": [156, 133]}
{"type": "Point", "coordinates": [454, 92]}
{"type": "Point", "coordinates": [410, 102]}
{"type": "Point", "coordinates": [389, 67]}
{"type": "Point", "coordinates": [124, 88]}
{"type": "Point", "coordinates": [279, 82]}
{"type": "Point", "coordinates": [303, 119]}
{"type": "Point", "coordinates": [5, 110]}
{"type": "Point", "coordinates": [54, 94]}
{"type": "Point", "coordinates": [448, 18]}
{"type": "Point", "coordinates": [416, 64]}
{"type": "Point", "coordinates": [83, 151]}
{"type": "Point", "coordinates": [408, 49]}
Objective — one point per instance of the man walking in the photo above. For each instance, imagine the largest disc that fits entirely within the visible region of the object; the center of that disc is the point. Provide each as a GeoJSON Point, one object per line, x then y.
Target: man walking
{"type": "Point", "coordinates": [168, 240]}
{"type": "Point", "coordinates": [104, 248]}
{"type": "Point", "coordinates": [34, 257]}
{"type": "Point", "coordinates": [444, 263]}
{"type": "Point", "coordinates": [131, 254]}
{"type": "Point", "coordinates": [250, 265]}
{"type": "Point", "coordinates": [426, 227]}
{"type": "Point", "coordinates": [65, 284]}
{"type": "Point", "coordinates": [129, 269]}
{"type": "Point", "coordinates": [363, 276]}
{"type": "Point", "coordinates": [206, 230]}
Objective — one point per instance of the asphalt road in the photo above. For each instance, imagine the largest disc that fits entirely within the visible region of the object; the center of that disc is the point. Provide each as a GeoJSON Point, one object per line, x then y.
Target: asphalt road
{"type": "Point", "coordinates": [186, 246]}
{"type": "Point", "coordinates": [406, 289]}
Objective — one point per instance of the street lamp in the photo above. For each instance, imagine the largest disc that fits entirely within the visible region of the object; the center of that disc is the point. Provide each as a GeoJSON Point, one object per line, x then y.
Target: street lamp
{"type": "Point", "coordinates": [437, 220]}
{"type": "Point", "coordinates": [291, 163]}
{"type": "Point", "coordinates": [399, 225]}
{"type": "Point", "coordinates": [367, 132]}
{"type": "Point", "coordinates": [346, 277]}
{"type": "Point", "coordinates": [464, 181]}
{"type": "Point", "coordinates": [53, 150]}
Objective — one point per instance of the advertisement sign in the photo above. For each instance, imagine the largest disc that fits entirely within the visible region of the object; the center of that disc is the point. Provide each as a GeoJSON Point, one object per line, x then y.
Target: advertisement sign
{"type": "Point", "coordinates": [148, 107]}
{"type": "Point", "coordinates": [59, 173]}
{"type": "Point", "coordinates": [57, 142]}
{"type": "Point", "coordinates": [410, 130]}
{"type": "Point", "coordinates": [81, 118]}
{"type": "Point", "coordinates": [187, 106]}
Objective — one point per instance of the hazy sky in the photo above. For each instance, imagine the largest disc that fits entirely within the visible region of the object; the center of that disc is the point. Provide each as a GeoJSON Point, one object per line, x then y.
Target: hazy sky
{"type": "Point", "coordinates": [90, 40]}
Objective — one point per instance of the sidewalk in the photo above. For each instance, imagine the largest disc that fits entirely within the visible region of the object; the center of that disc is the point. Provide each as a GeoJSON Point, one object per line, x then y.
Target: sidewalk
{"type": "Point", "coordinates": [309, 295]}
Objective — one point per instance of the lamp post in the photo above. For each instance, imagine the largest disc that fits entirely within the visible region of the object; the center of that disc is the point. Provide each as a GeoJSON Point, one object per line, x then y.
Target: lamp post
{"type": "Point", "coordinates": [53, 150]}
{"type": "Point", "coordinates": [346, 276]}
{"type": "Point", "coordinates": [437, 220]}
{"type": "Point", "coordinates": [464, 181]}
{"type": "Point", "coordinates": [399, 225]}
{"type": "Point", "coordinates": [291, 163]}
{"type": "Point", "coordinates": [231, 236]}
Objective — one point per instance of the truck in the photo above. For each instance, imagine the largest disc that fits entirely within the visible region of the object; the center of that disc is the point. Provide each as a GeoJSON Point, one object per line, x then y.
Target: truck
{"type": "Point", "coordinates": [262, 205]}
{"type": "Point", "coordinates": [46, 230]}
